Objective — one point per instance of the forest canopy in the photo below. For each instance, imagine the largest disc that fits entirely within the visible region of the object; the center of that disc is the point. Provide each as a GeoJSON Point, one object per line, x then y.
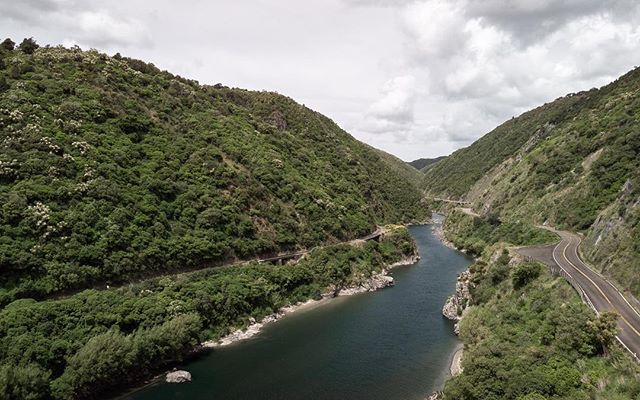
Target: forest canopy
{"type": "Point", "coordinates": [112, 170]}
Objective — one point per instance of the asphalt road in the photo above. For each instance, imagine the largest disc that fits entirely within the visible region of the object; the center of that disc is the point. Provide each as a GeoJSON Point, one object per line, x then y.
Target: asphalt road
{"type": "Point", "coordinates": [602, 295]}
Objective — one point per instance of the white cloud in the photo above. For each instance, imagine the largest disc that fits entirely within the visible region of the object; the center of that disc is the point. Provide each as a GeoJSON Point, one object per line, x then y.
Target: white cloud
{"type": "Point", "coordinates": [85, 23]}
{"type": "Point", "coordinates": [103, 29]}
{"type": "Point", "coordinates": [416, 77]}
{"type": "Point", "coordinates": [483, 64]}
{"type": "Point", "coordinates": [396, 103]}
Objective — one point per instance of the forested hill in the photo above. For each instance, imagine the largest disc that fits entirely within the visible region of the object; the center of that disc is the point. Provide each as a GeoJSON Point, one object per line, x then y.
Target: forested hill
{"type": "Point", "coordinates": [111, 169]}
{"type": "Point", "coordinates": [454, 176]}
{"type": "Point", "coordinates": [424, 164]}
{"type": "Point", "coordinates": [574, 163]}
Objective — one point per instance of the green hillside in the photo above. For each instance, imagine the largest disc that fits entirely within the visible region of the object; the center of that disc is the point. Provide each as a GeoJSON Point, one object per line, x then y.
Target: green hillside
{"type": "Point", "coordinates": [123, 192]}
{"type": "Point", "coordinates": [401, 168]}
{"type": "Point", "coordinates": [111, 170]}
{"type": "Point", "coordinates": [454, 176]}
{"type": "Point", "coordinates": [573, 163]}
{"type": "Point", "coordinates": [527, 334]}
{"type": "Point", "coordinates": [424, 164]}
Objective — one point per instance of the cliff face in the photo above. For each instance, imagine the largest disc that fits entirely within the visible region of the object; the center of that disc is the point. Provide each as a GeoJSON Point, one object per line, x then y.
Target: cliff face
{"type": "Point", "coordinates": [613, 241]}
{"type": "Point", "coordinates": [457, 303]}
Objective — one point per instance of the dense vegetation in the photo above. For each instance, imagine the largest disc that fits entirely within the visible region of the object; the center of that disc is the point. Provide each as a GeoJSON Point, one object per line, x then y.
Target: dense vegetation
{"type": "Point", "coordinates": [401, 168]}
{"type": "Point", "coordinates": [574, 162]}
{"type": "Point", "coordinates": [94, 340]}
{"type": "Point", "coordinates": [111, 170]}
{"type": "Point", "coordinates": [528, 336]}
{"type": "Point", "coordinates": [474, 233]}
{"type": "Point", "coordinates": [454, 176]}
{"type": "Point", "coordinates": [425, 163]}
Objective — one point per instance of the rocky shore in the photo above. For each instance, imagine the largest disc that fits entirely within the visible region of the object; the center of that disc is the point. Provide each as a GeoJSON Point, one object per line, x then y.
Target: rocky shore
{"type": "Point", "coordinates": [438, 231]}
{"type": "Point", "coordinates": [454, 309]}
{"type": "Point", "coordinates": [375, 282]}
{"type": "Point", "coordinates": [455, 368]}
{"type": "Point", "coordinates": [457, 303]}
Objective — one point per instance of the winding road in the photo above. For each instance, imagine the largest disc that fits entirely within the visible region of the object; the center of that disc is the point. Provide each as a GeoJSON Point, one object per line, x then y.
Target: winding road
{"type": "Point", "coordinates": [595, 290]}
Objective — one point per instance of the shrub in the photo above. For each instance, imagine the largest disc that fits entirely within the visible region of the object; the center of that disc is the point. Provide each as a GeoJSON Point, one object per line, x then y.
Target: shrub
{"type": "Point", "coordinates": [525, 273]}
{"type": "Point", "coordinates": [28, 46]}
{"type": "Point", "coordinates": [7, 44]}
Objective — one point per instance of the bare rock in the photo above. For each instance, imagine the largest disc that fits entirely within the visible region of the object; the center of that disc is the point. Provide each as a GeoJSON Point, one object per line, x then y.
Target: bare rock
{"type": "Point", "coordinates": [375, 282]}
{"type": "Point", "coordinates": [178, 377]}
{"type": "Point", "coordinates": [457, 303]}
{"type": "Point", "coordinates": [277, 119]}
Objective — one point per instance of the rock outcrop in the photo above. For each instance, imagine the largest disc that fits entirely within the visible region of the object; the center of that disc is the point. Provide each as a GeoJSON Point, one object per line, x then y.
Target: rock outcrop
{"type": "Point", "coordinates": [457, 303]}
{"type": "Point", "coordinates": [375, 282]}
{"type": "Point", "coordinates": [178, 377]}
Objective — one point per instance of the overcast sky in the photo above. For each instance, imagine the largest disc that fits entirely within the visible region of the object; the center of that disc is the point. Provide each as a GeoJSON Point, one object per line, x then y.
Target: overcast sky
{"type": "Point", "coordinates": [415, 78]}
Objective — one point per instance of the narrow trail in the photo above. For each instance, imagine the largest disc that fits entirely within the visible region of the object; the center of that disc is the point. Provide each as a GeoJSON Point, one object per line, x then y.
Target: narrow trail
{"type": "Point", "coordinates": [277, 259]}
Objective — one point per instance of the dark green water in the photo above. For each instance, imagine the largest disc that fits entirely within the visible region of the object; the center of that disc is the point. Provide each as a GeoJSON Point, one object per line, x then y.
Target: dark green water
{"type": "Point", "coordinates": [390, 344]}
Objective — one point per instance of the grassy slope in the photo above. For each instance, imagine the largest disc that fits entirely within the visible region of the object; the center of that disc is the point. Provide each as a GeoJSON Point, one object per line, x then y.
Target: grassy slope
{"type": "Point", "coordinates": [574, 162]}
{"type": "Point", "coordinates": [527, 335]}
{"type": "Point", "coordinates": [112, 170]}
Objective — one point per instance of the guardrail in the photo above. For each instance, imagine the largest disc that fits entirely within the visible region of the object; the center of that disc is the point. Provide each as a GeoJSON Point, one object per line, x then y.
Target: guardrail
{"type": "Point", "coordinates": [559, 271]}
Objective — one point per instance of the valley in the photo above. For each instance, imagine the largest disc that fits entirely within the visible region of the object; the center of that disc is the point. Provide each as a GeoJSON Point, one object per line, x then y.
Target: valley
{"type": "Point", "coordinates": [150, 222]}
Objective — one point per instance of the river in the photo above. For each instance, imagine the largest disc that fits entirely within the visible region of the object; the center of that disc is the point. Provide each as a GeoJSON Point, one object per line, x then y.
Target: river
{"type": "Point", "coordinates": [386, 345]}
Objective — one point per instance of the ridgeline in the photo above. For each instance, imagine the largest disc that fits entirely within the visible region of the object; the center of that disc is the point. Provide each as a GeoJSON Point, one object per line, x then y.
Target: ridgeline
{"type": "Point", "coordinates": [112, 170]}
{"type": "Point", "coordinates": [573, 163]}
{"type": "Point", "coordinates": [114, 173]}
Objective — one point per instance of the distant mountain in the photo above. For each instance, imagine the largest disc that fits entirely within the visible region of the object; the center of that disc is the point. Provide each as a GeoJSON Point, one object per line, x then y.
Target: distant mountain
{"type": "Point", "coordinates": [573, 163]}
{"type": "Point", "coordinates": [112, 170]}
{"type": "Point", "coordinates": [425, 163]}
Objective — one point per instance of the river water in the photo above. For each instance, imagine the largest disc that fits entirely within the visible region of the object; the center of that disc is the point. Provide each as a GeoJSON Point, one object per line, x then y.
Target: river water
{"type": "Point", "coordinates": [386, 345]}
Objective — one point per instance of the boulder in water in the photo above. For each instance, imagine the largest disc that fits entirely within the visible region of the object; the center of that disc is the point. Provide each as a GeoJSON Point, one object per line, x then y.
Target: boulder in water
{"type": "Point", "coordinates": [178, 377]}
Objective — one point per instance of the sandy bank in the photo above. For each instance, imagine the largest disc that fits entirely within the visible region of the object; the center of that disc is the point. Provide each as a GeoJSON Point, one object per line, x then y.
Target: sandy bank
{"type": "Point", "coordinates": [455, 367]}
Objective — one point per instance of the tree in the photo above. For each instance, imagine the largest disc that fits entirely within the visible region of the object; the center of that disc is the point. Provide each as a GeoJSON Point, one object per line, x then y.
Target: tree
{"type": "Point", "coordinates": [605, 329]}
{"type": "Point", "coordinates": [7, 44]}
{"type": "Point", "coordinates": [23, 382]}
{"type": "Point", "coordinates": [101, 362]}
{"type": "Point", "coordinates": [525, 273]}
{"type": "Point", "coordinates": [28, 46]}
{"type": "Point", "coordinates": [3, 84]}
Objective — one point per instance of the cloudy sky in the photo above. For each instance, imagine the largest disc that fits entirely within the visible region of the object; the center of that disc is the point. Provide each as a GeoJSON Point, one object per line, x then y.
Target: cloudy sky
{"type": "Point", "coordinates": [416, 78]}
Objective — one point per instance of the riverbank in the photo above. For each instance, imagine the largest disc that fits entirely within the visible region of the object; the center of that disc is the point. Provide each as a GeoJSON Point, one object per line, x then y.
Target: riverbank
{"type": "Point", "coordinates": [455, 367]}
{"type": "Point", "coordinates": [341, 348]}
{"type": "Point", "coordinates": [377, 281]}
{"type": "Point", "coordinates": [456, 303]}
{"type": "Point", "coordinates": [438, 231]}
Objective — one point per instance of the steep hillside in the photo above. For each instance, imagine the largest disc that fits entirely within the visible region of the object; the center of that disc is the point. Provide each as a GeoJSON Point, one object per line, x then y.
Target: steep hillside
{"type": "Point", "coordinates": [574, 163]}
{"type": "Point", "coordinates": [401, 168]}
{"type": "Point", "coordinates": [111, 169]}
{"type": "Point", "coordinates": [423, 164]}
{"type": "Point", "coordinates": [526, 333]}
{"type": "Point", "coordinates": [455, 176]}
